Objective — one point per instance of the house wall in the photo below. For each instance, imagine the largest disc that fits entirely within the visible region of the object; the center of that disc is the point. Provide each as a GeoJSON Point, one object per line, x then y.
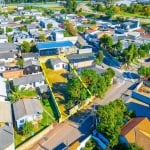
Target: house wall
{"type": "Point", "coordinates": [60, 66]}
{"type": "Point", "coordinates": [12, 74]}
{"type": "Point", "coordinates": [27, 118]}
{"type": "Point", "coordinates": [31, 85]}
{"type": "Point", "coordinates": [83, 64]}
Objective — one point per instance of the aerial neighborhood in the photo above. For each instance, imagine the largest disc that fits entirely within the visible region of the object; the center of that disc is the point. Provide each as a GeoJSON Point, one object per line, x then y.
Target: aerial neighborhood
{"type": "Point", "coordinates": [75, 75]}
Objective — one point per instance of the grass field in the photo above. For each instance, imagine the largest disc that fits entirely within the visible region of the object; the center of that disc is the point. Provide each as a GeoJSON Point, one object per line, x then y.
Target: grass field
{"type": "Point", "coordinates": [57, 81]}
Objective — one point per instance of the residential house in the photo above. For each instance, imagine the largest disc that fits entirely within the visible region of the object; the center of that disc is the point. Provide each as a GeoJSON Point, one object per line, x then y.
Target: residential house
{"type": "Point", "coordinates": [31, 66]}
{"type": "Point", "coordinates": [58, 64]}
{"type": "Point", "coordinates": [2, 67]}
{"type": "Point", "coordinates": [3, 90]}
{"type": "Point", "coordinates": [29, 81]}
{"type": "Point", "coordinates": [26, 110]}
{"type": "Point", "coordinates": [81, 60]}
{"type": "Point", "coordinates": [29, 56]}
{"type": "Point", "coordinates": [3, 39]}
{"type": "Point", "coordinates": [11, 74]}
{"type": "Point", "coordinates": [137, 130]}
{"type": "Point", "coordinates": [6, 128]}
{"type": "Point", "coordinates": [7, 57]}
{"type": "Point", "coordinates": [33, 27]}
{"type": "Point", "coordinates": [139, 99]}
{"type": "Point", "coordinates": [44, 22]}
{"type": "Point", "coordinates": [55, 47]}
{"type": "Point", "coordinates": [7, 48]}
{"type": "Point", "coordinates": [130, 25]}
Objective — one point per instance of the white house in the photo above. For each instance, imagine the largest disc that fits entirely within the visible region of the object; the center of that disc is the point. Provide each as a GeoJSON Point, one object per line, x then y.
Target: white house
{"type": "Point", "coordinates": [29, 81]}
{"type": "Point", "coordinates": [26, 110]}
{"type": "Point", "coordinates": [58, 64]}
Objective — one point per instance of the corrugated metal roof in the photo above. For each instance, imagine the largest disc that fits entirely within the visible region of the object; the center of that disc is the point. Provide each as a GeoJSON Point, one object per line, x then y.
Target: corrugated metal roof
{"type": "Point", "coordinates": [54, 44]}
{"type": "Point", "coordinates": [25, 107]}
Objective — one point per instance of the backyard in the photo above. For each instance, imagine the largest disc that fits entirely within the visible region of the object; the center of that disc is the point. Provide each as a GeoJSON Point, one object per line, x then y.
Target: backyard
{"type": "Point", "coordinates": [48, 117]}
{"type": "Point", "coordinates": [57, 81]}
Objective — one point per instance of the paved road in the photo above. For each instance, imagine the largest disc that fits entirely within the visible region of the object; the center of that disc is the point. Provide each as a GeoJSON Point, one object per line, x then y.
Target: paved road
{"type": "Point", "coordinates": [77, 127]}
{"type": "Point", "coordinates": [80, 125]}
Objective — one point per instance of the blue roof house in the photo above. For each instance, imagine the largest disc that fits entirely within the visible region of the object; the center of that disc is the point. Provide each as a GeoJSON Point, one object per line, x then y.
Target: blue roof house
{"type": "Point", "coordinates": [55, 48]}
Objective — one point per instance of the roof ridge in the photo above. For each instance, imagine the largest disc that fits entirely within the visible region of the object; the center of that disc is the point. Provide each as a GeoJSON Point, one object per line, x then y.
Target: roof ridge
{"type": "Point", "coordinates": [24, 106]}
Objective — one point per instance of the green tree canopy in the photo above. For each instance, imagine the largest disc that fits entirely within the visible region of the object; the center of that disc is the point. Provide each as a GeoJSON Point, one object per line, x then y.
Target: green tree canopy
{"type": "Point", "coordinates": [111, 120]}
{"type": "Point", "coordinates": [144, 71]}
{"type": "Point", "coordinates": [71, 5]}
{"type": "Point", "coordinates": [20, 62]}
{"type": "Point", "coordinates": [25, 46]}
{"type": "Point", "coordinates": [100, 57]}
{"type": "Point", "coordinates": [106, 41]}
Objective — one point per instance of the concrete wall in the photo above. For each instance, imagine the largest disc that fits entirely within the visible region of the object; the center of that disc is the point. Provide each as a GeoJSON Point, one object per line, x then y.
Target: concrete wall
{"type": "Point", "coordinates": [27, 145]}
{"type": "Point", "coordinates": [83, 64]}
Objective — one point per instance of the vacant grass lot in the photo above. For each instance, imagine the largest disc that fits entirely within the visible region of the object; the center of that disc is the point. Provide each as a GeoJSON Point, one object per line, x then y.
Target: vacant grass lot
{"type": "Point", "coordinates": [57, 81]}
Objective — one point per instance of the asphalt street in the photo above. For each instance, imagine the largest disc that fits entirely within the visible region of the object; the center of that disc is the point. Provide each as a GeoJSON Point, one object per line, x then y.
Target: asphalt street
{"type": "Point", "coordinates": [80, 125]}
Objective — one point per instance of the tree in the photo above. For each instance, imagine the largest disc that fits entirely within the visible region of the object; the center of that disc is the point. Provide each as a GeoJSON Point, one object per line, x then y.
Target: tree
{"type": "Point", "coordinates": [111, 120]}
{"type": "Point", "coordinates": [8, 29]}
{"type": "Point", "coordinates": [10, 39]}
{"type": "Point", "coordinates": [109, 13]}
{"type": "Point", "coordinates": [1, 30]}
{"type": "Point", "coordinates": [100, 8]}
{"type": "Point", "coordinates": [20, 62]}
{"type": "Point", "coordinates": [50, 25]}
{"type": "Point", "coordinates": [25, 46]}
{"type": "Point", "coordinates": [130, 54]}
{"type": "Point", "coordinates": [17, 18]}
{"type": "Point", "coordinates": [27, 128]}
{"type": "Point", "coordinates": [100, 57]}
{"type": "Point", "coordinates": [106, 41]}
{"type": "Point", "coordinates": [90, 145]}
{"type": "Point", "coordinates": [71, 5]}
{"type": "Point", "coordinates": [81, 28]}
{"type": "Point", "coordinates": [42, 37]}
{"type": "Point", "coordinates": [144, 71]}
{"type": "Point", "coordinates": [69, 27]}
{"type": "Point", "coordinates": [134, 146]}
{"type": "Point", "coordinates": [63, 11]}
{"type": "Point", "coordinates": [118, 46]}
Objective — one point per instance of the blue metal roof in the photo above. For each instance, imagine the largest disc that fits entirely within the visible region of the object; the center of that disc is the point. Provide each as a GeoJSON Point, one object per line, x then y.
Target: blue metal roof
{"type": "Point", "coordinates": [53, 44]}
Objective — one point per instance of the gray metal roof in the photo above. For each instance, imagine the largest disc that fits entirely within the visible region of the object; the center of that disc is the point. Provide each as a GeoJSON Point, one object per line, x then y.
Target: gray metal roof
{"type": "Point", "coordinates": [6, 136]}
{"type": "Point", "coordinates": [5, 112]}
{"type": "Point", "coordinates": [31, 62]}
{"type": "Point", "coordinates": [28, 55]}
{"type": "Point", "coordinates": [7, 55]}
{"type": "Point", "coordinates": [7, 47]}
{"type": "Point", "coordinates": [75, 58]}
{"type": "Point", "coordinates": [26, 107]}
{"type": "Point", "coordinates": [28, 79]}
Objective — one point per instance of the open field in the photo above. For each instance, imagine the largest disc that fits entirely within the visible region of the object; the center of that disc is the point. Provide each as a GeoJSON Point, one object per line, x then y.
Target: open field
{"type": "Point", "coordinates": [57, 81]}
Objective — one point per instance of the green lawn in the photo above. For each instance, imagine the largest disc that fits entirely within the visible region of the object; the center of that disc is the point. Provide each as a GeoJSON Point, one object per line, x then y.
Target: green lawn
{"type": "Point", "coordinates": [28, 93]}
{"type": "Point", "coordinates": [46, 121]}
{"type": "Point", "coordinates": [48, 118]}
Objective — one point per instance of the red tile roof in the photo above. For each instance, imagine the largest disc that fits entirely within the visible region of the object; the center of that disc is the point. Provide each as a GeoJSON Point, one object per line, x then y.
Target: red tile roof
{"type": "Point", "coordinates": [131, 124]}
